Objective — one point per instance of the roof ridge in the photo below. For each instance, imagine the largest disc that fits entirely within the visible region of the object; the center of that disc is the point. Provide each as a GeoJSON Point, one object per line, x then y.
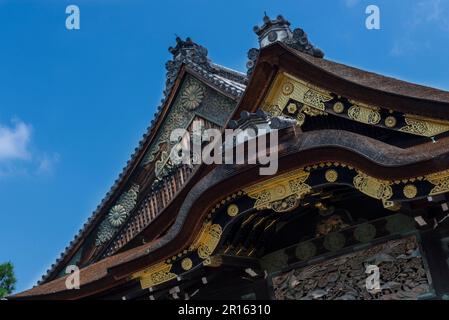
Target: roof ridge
{"type": "Point", "coordinates": [197, 61]}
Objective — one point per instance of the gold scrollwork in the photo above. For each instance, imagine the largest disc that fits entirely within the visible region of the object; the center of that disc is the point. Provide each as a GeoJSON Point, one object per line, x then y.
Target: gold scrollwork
{"type": "Point", "coordinates": [208, 240]}
{"type": "Point", "coordinates": [286, 88]}
{"type": "Point", "coordinates": [440, 181]}
{"type": "Point", "coordinates": [269, 194]}
{"type": "Point", "coordinates": [155, 275]}
{"type": "Point", "coordinates": [423, 127]}
{"type": "Point", "coordinates": [375, 188]}
{"type": "Point", "coordinates": [364, 114]}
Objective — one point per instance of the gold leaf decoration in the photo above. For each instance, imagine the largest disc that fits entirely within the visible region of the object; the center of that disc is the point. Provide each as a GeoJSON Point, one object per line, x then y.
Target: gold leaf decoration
{"type": "Point", "coordinates": [410, 191]}
{"type": "Point", "coordinates": [331, 175]}
{"type": "Point", "coordinates": [373, 187]}
{"type": "Point", "coordinates": [423, 127]}
{"type": "Point", "coordinates": [273, 190]}
{"type": "Point", "coordinates": [155, 275]}
{"type": "Point", "coordinates": [364, 114]}
{"type": "Point", "coordinates": [440, 181]}
{"type": "Point", "coordinates": [208, 240]}
{"type": "Point", "coordinates": [186, 264]}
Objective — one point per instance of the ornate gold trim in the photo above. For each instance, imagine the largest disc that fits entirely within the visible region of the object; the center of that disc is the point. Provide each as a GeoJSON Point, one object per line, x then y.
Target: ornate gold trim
{"type": "Point", "coordinates": [311, 102]}
{"type": "Point", "coordinates": [440, 181]}
{"type": "Point", "coordinates": [375, 188]}
{"type": "Point", "coordinates": [154, 275]}
{"type": "Point", "coordinates": [423, 126]}
{"type": "Point", "coordinates": [270, 193]}
{"type": "Point", "coordinates": [208, 240]}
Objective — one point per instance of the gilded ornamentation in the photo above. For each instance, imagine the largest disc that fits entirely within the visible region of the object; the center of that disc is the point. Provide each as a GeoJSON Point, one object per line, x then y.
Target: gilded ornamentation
{"type": "Point", "coordinates": [364, 114]}
{"type": "Point", "coordinates": [186, 264]}
{"type": "Point", "coordinates": [314, 101]}
{"type": "Point", "coordinates": [208, 240]}
{"type": "Point", "coordinates": [312, 111]}
{"type": "Point", "coordinates": [338, 107]}
{"type": "Point", "coordinates": [233, 210]}
{"type": "Point", "coordinates": [155, 275]}
{"type": "Point", "coordinates": [300, 118]}
{"type": "Point", "coordinates": [331, 175]}
{"type": "Point", "coordinates": [288, 204]}
{"type": "Point", "coordinates": [292, 108]}
{"type": "Point", "coordinates": [373, 187]}
{"type": "Point", "coordinates": [192, 95]}
{"type": "Point", "coordinates": [273, 190]}
{"type": "Point", "coordinates": [311, 98]}
{"type": "Point", "coordinates": [390, 122]}
{"type": "Point", "coordinates": [288, 88]}
{"type": "Point", "coordinates": [440, 181]}
{"type": "Point", "coordinates": [423, 127]}
{"type": "Point", "coordinates": [410, 191]}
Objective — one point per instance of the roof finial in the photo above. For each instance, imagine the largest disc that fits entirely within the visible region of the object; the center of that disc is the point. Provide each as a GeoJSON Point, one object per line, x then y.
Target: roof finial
{"type": "Point", "coordinates": [278, 30]}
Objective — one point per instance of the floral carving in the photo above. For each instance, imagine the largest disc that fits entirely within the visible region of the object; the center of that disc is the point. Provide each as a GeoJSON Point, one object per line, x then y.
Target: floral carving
{"type": "Point", "coordinates": [401, 267]}
{"type": "Point", "coordinates": [192, 95]}
{"type": "Point", "coordinates": [117, 215]}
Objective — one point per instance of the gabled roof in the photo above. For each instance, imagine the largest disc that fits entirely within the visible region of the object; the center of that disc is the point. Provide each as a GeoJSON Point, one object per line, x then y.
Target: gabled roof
{"type": "Point", "coordinates": [368, 87]}
{"type": "Point", "coordinates": [192, 59]}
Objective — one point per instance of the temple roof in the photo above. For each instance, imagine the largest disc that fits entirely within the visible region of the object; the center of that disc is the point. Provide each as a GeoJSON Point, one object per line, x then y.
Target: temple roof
{"type": "Point", "coordinates": [368, 87]}
{"type": "Point", "coordinates": [377, 81]}
{"type": "Point", "coordinates": [187, 56]}
{"type": "Point", "coordinates": [282, 53]}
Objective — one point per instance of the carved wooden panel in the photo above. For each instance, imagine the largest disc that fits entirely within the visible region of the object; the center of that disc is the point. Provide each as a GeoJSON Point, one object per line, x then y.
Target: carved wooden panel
{"type": "Point", "coordinates": [401, 269]}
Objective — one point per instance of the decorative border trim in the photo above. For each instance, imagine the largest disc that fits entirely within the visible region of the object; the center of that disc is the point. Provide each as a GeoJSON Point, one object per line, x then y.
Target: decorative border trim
{"type": "Point", "coordinates": [295, 98]}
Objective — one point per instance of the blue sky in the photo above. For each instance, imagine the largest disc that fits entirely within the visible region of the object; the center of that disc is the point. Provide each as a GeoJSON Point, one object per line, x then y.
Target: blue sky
{"type": "Point", "coordinates": [74, 104]}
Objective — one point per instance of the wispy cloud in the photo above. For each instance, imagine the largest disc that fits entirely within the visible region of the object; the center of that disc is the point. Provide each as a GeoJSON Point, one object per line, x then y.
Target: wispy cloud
{"type": "Point", "coordinates": [351, 3]}
{"type": "Point", "coordinates": [14, 141]}
{"type": "Point", "coordinates": [433, 13]}
{"type": "Point", "coordinates": [17, 157]}
{"type": "Point", "coordinates": [46, 163]}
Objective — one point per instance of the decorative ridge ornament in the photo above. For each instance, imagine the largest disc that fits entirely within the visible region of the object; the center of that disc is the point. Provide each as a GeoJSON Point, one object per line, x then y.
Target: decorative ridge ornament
{"type": "Point", "coordinates": [279, 30]}
{"type": "Point", "coordinates": [186, 51]}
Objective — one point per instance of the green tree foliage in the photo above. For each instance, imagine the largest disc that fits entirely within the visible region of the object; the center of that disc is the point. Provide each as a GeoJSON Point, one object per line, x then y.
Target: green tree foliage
{"type": "Point", "coordinates": [7, 279]}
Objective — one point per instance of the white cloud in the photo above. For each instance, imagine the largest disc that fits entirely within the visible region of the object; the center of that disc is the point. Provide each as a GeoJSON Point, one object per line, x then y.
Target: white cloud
{"type": "Point", "coordinates": [426, 13]}
{"type": "Point", "coordinates": [17, 157]}
{"type": "Point", "coordinates": [14, 141]}
{"type": "Point", "coordinates": [351, 3]}
{"type": "Point", "coordinates": [47, 162]}
{"type": "Point", "coordinates": [433, 11]}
